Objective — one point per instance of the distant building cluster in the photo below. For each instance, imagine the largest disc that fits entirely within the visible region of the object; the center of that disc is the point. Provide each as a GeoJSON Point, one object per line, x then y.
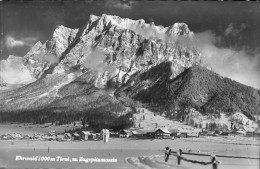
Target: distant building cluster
{"type": "Point", "coordinates": [136, 133]}
{"type": "Point", "coordinates": [54, 136]}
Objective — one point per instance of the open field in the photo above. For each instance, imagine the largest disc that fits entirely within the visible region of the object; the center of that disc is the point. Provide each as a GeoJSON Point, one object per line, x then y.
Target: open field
{"type": "Point", "coordinates": [140, 153]}
{"type": "Point", "coordinates": [149, 120]}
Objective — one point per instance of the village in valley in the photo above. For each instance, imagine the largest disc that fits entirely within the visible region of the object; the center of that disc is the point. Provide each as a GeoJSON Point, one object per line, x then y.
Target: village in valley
{"type": "Point", "coordinates": [146, 125]}
{"type": "Point", "coordinates": [143, 144]}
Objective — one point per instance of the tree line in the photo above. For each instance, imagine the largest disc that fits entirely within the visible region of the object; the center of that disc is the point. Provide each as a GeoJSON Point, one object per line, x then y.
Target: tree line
{"type": "Point", "coordinates": [95, 118]}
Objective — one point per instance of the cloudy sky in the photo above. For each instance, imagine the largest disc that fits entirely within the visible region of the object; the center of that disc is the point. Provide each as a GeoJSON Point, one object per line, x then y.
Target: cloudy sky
{"type": "Point", "coordinates": [228, 33]}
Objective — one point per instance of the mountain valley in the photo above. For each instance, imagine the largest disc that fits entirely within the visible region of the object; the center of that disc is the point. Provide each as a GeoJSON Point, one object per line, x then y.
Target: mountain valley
{"type": "Point", "coordinates": [111, 65]}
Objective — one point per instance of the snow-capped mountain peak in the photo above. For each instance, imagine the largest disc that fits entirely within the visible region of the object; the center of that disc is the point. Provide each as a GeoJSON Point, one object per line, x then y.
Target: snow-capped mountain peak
{"type": "Point", "coordinates": [117, 40]}
{"type": "Point", "coordinates": [148, 30]}
{"type": "Point", "coordinates": [78, 69]}
{"type": "Point", "coordinates": [180, 29]}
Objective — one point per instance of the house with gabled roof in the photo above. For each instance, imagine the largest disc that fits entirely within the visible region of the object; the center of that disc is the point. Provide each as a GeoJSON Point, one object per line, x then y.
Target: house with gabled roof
{"type": "Point", "coordinates": [242, 130]}
{"type": "Point", "coordinates": [67, 136]}
{"type": "Point", "coordinates": [84, 135]}
{"type": "Point", "coordinates": [143, 134]}
{"type": "Point", "coordinates": [161, 133]}
{"type": "Point", "coordinates": [188, 132]}
{"type": "Point", "coordinates": [75, 136]}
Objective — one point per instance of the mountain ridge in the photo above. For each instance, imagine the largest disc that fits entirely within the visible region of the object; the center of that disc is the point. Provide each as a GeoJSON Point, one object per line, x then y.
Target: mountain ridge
{"type": "Point", "coordinates": [196, 87]}
{"type": "Point", "coordinates": [71, 47]}
{"type": "Point", "coordinates": [111, 62]}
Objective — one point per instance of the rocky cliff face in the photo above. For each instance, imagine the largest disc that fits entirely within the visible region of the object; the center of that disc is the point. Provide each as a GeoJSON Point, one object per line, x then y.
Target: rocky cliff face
{"type": "Point", "coordinates": [81, 69]}
{"type": "Point", "coordinates": [115, 47]}
{"type": "Point", "coordinates": [125, 46]}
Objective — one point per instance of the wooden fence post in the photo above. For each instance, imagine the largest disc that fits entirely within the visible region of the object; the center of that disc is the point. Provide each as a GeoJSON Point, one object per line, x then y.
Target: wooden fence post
{"type": "Point", "coordinates": [179, 156]}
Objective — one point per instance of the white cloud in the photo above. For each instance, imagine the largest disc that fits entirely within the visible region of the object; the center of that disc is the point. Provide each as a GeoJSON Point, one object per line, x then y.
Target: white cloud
{"type": "Point", "coordinates": [12, 42]}
{"type": "Point", "coordinates": [14, 72]}
{"type": "Point", "coordinates": [237, 65]}
{"type": "Point", "coordinates": [95, 60]}
{"type": "Point", "coordinates": [232, 31]}
{"type": "Point", "coordinates": [50, 58]}
{"type": "Point", "coordinates": [121, 4]}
